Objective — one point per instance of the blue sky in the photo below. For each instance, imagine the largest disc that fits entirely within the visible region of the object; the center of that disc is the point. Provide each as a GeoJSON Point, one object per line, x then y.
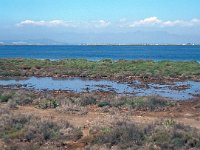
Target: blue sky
{"type": "Point", "coordinates": [101, 21]}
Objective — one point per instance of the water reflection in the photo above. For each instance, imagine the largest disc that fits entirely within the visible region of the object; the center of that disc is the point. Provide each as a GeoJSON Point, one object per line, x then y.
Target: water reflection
{"type": "Point", "coordinates": [80, 85]}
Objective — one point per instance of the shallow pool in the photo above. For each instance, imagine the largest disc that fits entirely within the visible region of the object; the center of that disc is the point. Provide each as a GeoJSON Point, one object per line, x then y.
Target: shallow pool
{"type": "Point", "coordinates": [80, 85]}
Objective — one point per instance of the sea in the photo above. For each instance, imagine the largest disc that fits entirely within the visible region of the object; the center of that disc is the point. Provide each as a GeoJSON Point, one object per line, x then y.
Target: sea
{"type": "Point", "coordinates": [98, 52]}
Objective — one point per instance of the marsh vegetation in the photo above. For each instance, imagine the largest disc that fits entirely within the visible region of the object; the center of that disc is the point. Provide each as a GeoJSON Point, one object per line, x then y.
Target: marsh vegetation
{"type": "Point", "coordinates": [119, 70]}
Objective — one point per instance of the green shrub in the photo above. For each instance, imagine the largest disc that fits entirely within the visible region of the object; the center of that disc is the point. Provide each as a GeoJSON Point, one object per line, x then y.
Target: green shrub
{"type": "Point", "coordinates": [12, 104]}
{"type": "Point", "coordinates": [5, 98]}
{"type": "Point", "coordinates": [12, 125]}
{"type": "Point", "coordinates": [169, 135]}
{"type": "Point", "coordinates": [24, 101]}
{"type": "Point", "coordinates": [119, 102]}
{"type": "Point", "coordinates": [123, 134]}
{"type": "Point", "coordinates": [77, 134]}
{"type": "Point", "coordinates": [20, 97]}
{"type": "Point", "coordinates": [48, 129]}
{"type": "Point", "coordinates": [103, 104]}
{"type": "Point", "coordinates": [150, 103]}
{"type": "Point", "coordinates": [88, 101]}
{"type": "Point", "coordinates": [142, 103]}
{"type": "Point", "coordinates": [48, 104]}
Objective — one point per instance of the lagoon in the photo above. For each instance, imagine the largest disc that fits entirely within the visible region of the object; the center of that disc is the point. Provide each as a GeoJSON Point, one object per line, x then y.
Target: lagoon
{"type": "Point", "coordinates": [85, 85]}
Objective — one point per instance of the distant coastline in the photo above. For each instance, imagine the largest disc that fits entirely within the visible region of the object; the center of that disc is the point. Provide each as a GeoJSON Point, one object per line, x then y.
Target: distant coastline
{"type": "Point", "coordinates": [46, 42]}
{"type": "Point", "coordinates": [188, 44]}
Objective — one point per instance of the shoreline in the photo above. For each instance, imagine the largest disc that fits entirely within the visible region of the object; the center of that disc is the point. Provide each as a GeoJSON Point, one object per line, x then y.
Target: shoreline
{"type": "Point", "coordinates": [99, 44]}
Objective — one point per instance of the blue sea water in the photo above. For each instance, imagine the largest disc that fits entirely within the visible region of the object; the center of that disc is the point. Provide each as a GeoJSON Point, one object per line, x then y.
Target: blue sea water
{"type": "Point", "coordinates": [156, 53]}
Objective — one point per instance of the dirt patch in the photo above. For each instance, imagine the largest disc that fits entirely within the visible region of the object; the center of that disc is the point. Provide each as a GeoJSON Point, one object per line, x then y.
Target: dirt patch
{"type": "Point", "coordinates": [184, 113]}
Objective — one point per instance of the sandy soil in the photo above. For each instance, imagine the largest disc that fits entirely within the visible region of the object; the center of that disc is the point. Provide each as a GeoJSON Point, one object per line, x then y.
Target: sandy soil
{"type": "Point", "coordinates": [187, 113]}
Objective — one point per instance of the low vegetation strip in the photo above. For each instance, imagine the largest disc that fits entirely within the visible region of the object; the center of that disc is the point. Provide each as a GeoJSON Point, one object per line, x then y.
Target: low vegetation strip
{"type": "Point", "coordinates": [78, 101]}
{"type": "Point", "coordinates": [121, 69]}
{"type": "Point", "coordinates": [166, 134]}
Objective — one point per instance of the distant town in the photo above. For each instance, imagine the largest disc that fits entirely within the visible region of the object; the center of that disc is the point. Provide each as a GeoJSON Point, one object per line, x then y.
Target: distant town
{"type": "Point", "coordinates": [89, 44]}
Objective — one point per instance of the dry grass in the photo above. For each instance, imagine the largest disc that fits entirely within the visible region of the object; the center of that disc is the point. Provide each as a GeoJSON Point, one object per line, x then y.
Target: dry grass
{"type": "Point", "coordinates": [20, 131]}
{"type": "Point", "coordinates": [165, 134]}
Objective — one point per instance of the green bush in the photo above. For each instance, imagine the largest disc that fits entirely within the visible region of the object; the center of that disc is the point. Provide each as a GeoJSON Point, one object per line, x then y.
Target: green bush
{"type": "Point", "coordinates": [88, 101]}
{"type": "Point", "coordinates": [24, 101]}
{"type": "Point", "coordinates": [123, 134]}
{"type": "Point", "coordinates": [5, 98]}
{"type": "Point", "coordinates": [142, 103]}
{"type": "Point", "coordinates": [103, 104]}
{"type": "Point", "coordinates": [12, 125]}
{"type": "Point", "coordinates": [48, 104]}
{"type": "Point", "coordinates": [150, 103]}
{"type": "Point", "coordinates": [47, 129]}
{"type": "Point", "coordinates": [19, 97]}
{"type": "Point", "coordinates": [77, 134]}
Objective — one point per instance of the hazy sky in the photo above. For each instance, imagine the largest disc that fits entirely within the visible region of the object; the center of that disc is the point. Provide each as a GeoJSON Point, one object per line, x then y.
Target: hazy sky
{"type": "Point", "coordinates": [101, 21]}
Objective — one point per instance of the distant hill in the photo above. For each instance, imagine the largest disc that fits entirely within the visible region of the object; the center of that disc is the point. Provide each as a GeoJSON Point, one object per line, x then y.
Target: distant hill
{"type": "Point", "coordinates": [31, 42]}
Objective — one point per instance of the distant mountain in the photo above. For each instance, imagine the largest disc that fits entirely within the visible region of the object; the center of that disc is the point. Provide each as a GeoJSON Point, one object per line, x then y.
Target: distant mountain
{"type": "Point", "coordinates": [121, 38]}
{"type": "Point", "coordinates": [31, 42]}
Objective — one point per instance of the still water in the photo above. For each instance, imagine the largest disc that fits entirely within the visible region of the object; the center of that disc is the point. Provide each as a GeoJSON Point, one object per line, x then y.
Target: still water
{"type": "Point", "coordinates": [80, 85]}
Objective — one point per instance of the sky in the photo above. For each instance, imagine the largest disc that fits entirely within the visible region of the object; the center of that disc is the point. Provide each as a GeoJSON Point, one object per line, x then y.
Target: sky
{"type": "Point", "coordinates": [101, 21]}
